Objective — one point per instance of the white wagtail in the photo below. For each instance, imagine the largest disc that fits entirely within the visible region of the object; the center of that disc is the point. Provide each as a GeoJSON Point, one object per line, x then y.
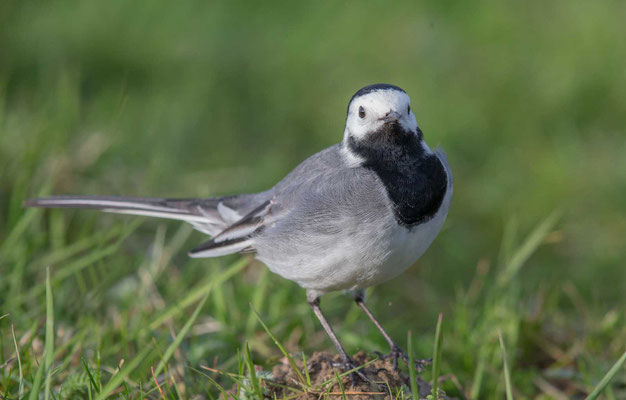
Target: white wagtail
{"type": "Point", "coordinates": [354, 215]}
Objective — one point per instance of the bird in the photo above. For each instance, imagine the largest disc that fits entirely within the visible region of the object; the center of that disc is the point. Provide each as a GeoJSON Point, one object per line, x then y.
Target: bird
{"type": "Point", "coordinates": [352, 216]}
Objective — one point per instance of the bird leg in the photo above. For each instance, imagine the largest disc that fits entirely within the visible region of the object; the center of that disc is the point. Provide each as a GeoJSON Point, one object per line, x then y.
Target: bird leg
{"type": "Point", "coordinates": [395, 352]}
{"type": "Point", "coordinates": [347, 363]}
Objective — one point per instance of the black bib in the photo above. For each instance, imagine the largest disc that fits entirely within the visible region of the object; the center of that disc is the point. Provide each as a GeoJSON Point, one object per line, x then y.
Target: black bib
{"type": "Point", "coordinates": [415, 181]}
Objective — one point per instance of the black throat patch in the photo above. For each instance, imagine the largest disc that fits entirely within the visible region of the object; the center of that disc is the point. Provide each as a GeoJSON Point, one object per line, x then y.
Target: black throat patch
{"type": "Point", "coordinates": [416, 182]}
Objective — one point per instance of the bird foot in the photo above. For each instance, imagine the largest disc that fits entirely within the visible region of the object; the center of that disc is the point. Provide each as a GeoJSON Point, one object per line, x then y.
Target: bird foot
{"type": "Point", "coordinates": [397, 353]}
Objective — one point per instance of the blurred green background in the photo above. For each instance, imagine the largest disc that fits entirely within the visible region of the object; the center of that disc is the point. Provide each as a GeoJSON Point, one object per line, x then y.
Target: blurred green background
{"type": "Point", "coordinates": [192, 98]}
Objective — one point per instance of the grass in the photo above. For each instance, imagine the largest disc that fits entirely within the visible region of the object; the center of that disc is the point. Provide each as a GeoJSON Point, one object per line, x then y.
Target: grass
{"type": "Point", "coordinates": [412, 372]}
{"type": "Point", "coordinates": [507, 373]}
{"type": "Point", "coordinates": [606, 379]}
{"type": "Point", "coordinates": [437, 356]}
{"type": "Point", "coordinates": [284, 351]}
{"type": "Point", "coordinates": [202, 99]}
{"type": "Point", "coordinates": [171, 370]}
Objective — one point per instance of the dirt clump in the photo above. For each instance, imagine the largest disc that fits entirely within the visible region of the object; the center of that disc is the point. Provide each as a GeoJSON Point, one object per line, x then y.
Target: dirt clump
{"type": "Point", "coordinates": [283, 381]}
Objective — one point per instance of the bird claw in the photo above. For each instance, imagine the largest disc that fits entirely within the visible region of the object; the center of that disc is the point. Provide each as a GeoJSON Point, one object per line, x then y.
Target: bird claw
{"type": "Point", "coordinates": [396, 353]}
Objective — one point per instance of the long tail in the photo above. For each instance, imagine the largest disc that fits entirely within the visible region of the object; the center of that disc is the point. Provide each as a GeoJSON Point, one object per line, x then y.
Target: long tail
{"type": "Point", "coordinates": [211, 216]}
{"type": "Point", "coordinates": [190, 210]}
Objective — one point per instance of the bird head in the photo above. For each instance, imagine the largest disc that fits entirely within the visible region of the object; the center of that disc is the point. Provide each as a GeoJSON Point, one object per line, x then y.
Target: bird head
{"type": "Point", "coordinates": [379, 108]}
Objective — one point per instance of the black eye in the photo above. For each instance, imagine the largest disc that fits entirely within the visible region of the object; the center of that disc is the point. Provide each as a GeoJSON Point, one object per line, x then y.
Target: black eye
{"type": "Point", "coordinates": [361, 112]}
{"type": "Point", "coordinates": [408, 109]}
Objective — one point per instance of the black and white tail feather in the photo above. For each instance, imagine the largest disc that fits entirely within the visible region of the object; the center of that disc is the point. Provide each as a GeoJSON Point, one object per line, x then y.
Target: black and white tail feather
{"type": "Point", "coordinates": [231, 221]}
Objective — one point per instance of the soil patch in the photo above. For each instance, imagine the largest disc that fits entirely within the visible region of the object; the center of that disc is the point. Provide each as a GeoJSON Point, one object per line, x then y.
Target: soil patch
{"type": "Point", "coordinates": [380, 371]}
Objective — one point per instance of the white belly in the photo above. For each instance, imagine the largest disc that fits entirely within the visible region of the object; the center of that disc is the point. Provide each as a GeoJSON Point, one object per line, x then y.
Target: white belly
{"type": "Point", "coordinates": [407, 245]}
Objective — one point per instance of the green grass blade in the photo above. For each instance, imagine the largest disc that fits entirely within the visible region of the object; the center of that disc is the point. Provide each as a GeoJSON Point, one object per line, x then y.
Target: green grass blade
{"type": "Point", "coordinates": [181, 335]}
{"type": "Point", "coordinates": [258, 297]}
{"type": "Point", "coordinates": [437, 356]}
{"type": "Point", "coordinates": [213, 382]}
{"type": "Point", "coordinates": [20, 390]}
{"type": "Point", "coordinates": [119, 377]}
{"type": "Point", "coordinates": [92, 380]}
{"type": "Point", "coordinates": [81, 245]}
{"type": "Point", "coordinates": [34, 393]}
{"type": "Point", "coordinates": [281, 347]}
{"type": "Point", "coordinates": [255, 380]}
{"type": "Point", "coordinates": [200, 290]}
{"type": "Point", "coordinates": [306, 370]}
{"type": "Point", "coordinates": [76, 266]}
{"type": "Point", "coordinates": [607, 378]}
{"type": "Point", "coordinates": [49, 344]}
{"type": "Point", "coordinates": [529, 246]}
{"type": "Point", "coordinates": [479, 373]}
{"type": "Point", "coordinates": [343, 392]}
{"type": "Point", "coordinates": [507, 373]}
{"type": "Point", "coordinates": [17, 231]}
{"type": "Point", "coordinates": [235, 378]}
{"type": "Point", "coordinates": [412, 373]}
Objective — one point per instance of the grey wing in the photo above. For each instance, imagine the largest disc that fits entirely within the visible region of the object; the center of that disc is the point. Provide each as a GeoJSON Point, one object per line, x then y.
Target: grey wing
{"type": "Point", "coordinates": [326, 195]}
{"type": "Point", "coordinates": [241, 236]}
{"type": "Point", "coordinates": [339, 217]}
{"type": "Point", "coordinates": [343, 201]}
{"type": "Point", "coordinates": [236, 237]}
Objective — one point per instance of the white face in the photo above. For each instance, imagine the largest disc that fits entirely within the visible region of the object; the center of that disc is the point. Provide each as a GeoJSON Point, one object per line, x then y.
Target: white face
{"type": "Point", "coordinates": [369, 112]}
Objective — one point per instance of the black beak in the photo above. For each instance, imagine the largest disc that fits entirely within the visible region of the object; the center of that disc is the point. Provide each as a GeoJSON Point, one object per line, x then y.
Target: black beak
{"type": "Point", "coordinates": [391, 117]}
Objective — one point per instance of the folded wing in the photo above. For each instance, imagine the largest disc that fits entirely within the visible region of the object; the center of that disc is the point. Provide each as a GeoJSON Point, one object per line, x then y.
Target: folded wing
{"type": "Point", "coordinates": [237, 237]}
